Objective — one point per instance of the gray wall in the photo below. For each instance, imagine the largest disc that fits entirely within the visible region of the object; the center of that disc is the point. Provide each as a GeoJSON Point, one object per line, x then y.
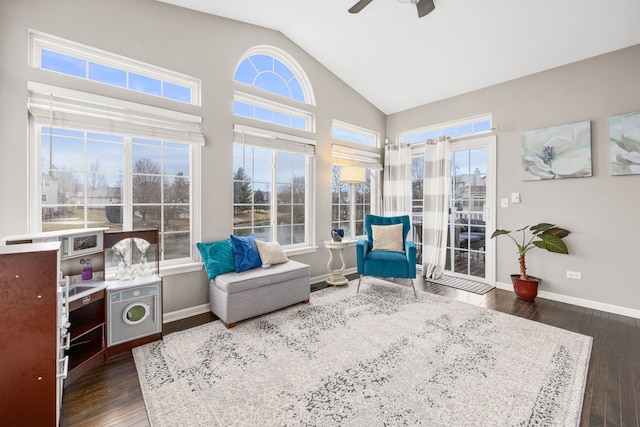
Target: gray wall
{"type": "Point", "coordinates": [196, 44]}
{"type": "Point", "coordinates": [601, 211]}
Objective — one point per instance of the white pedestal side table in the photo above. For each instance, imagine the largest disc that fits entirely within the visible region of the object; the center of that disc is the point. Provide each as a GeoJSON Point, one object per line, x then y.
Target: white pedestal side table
{"type": "Point", "coordinates": [336, 278]}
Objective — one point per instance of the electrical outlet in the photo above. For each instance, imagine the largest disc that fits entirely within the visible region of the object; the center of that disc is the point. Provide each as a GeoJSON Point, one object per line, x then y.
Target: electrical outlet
{"type": "Point", "coordinates": [504, 202]}
{"type": "Point", "coordinates": [574, 275]}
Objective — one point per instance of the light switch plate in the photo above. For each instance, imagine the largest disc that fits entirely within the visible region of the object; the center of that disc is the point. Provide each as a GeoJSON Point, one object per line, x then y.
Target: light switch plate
{"type": "Point", "coordinates": [504, 202]}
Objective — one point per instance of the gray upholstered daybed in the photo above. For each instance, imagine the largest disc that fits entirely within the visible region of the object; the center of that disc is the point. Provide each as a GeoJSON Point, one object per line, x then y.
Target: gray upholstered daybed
{"type": "Point", "coordinates": [238, 296]}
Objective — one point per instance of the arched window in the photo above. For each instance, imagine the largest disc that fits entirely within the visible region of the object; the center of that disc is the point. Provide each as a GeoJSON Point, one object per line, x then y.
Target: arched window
{"type": "Point", "coordinates": [274, 71]}
{"type": "Point", "coordinates": [273, 171]}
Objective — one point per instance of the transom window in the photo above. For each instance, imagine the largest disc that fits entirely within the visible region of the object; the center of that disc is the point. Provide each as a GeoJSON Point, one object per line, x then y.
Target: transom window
{"type": "Point", "coordinates": [273, 70]}
{"type": "Point", "coordinates": [269, 111]}
{"type": "Point", "coordinates": [463, 127]}
{"type": "Point", "coordinates": [279, 77]}
{"type": "Point", "coordinates": [355, 134]}
{"type": "Point", "coordinates": [74, 59]}
{"type": "Point", "coordinates": [270, 74]}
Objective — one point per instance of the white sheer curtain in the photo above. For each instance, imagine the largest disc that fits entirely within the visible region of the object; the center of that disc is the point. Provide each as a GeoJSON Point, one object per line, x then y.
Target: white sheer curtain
{"type": "Point", "coordinates": [437, 189]}
{"type": "Point", "coordinates": [396, 199]}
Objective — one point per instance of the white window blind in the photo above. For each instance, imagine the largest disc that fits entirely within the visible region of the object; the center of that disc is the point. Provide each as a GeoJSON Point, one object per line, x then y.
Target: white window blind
{"type": "Point", "coordinates": [273, 140]}
{"type": "Point", "coordinates": [347, 156]}
{"type": "Point", "coordinates": [68, 108]}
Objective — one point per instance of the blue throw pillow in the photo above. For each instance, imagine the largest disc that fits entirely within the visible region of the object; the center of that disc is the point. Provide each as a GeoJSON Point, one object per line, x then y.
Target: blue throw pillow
{"type": "Point", "coordinates": [217, 257]}
{"type": "Point", "coordinates": [245, 252]}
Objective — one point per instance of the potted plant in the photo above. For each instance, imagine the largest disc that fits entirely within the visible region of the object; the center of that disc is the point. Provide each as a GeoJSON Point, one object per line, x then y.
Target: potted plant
{"type": "Point", "coordinates": [544, 236]}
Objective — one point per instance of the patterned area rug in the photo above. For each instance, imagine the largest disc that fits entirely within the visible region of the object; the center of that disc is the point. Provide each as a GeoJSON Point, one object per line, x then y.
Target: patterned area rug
{"type": "Point", "coordinates": [463, 284]}
{"type": "Point", "coordinates": [375, 358]}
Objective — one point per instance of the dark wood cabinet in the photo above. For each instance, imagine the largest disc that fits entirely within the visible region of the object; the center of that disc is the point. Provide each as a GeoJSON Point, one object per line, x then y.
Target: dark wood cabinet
{"type": "Point", "coordinates": [31, 357]}
{"type": "Point", "coordinates": [88, 321]}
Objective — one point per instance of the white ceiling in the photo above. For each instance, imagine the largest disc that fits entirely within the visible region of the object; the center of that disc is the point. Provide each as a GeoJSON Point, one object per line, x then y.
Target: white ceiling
{"type": "Point", "coordinates": [398, 61]}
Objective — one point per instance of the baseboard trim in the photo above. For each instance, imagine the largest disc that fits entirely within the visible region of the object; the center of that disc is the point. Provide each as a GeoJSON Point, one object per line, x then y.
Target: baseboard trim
{"type": "Point", "coordinates": [595, 305]}
{"type": "Point", "coordinates": [184, 313]}
{"type": "Point", "coordinates": [323, 277]}
{"type": "Point", "coordinates": [204, 308]}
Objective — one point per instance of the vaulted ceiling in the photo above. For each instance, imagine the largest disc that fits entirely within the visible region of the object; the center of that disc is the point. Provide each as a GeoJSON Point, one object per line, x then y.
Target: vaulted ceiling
{"type": "Point", "coordinates": [399, 61]}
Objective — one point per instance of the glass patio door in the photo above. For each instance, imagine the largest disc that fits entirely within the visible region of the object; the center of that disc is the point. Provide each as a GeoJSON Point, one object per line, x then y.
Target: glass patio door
{"type": "Point", "coordinates": [471, 206]}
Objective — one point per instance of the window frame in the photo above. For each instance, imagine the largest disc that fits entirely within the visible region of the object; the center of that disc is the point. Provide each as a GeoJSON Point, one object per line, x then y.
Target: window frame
{"type": "Point", "coordinates": [272, 101]}
{"type": "Point", "coordinates": [276, 107]}
{"type": "Point", "coordinates": [277, 103]}
{"type": "Point", "coordinates": [280, 142]}
{"type": "Point", "coordinates": [288, 61]}
{"type": "Point", "coordinates": [37, 120]}
{"type": "Point", "coordinates": [39, 41]}
{"type": "Point", "coordinates": [355, 131]}
{"type": "Point", "coordinates": [422, 134]}
{"type": "Point", "coordinates": [373, 205]}
{"type": "Point", "coordinates": [346, 153]}
{"type": "Point", "coordinates": [418, 149]}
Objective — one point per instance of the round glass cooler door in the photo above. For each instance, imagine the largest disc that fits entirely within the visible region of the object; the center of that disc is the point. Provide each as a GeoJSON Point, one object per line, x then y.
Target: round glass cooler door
{"type": "Point", "coordinates": [136, 313]}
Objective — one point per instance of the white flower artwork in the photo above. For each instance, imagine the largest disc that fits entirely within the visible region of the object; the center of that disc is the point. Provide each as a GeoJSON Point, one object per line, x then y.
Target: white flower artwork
{"type": "Point", "coordinates": [557, 152]}
{"type": "Point", "coordinates": [624, 133]}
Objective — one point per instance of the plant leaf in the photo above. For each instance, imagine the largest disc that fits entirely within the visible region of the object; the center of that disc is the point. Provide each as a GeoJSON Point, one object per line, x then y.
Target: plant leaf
{"type": "Point", "coordinates": [541, 228]}
{"type": "Point", "coordinates": [557, 231]}
{"type": "Point", "coordinates": [499, 232]}
{"type": "Point", "coordinates": [552, 243]}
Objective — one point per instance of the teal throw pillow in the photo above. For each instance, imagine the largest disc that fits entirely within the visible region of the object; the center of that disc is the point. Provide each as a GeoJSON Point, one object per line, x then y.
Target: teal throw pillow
{"type": "Point", "coordinates": [245, 252]}
{"type": "Point", "coordinates": [217, 257]}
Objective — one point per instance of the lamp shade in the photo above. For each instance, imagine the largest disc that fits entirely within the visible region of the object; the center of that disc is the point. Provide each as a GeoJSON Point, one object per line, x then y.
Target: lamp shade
{"type": "Point", "coordinates": [352, 174]}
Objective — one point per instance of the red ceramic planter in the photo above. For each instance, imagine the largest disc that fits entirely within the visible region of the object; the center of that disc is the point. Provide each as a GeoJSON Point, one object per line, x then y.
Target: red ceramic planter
{"type": "Point", "coordinates": [525, 289]}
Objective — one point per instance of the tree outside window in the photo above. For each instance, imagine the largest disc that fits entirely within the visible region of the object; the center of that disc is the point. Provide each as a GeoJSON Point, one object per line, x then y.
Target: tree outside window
{"type": "Point", "coordinates": [79, 196]}
{"type": "Point", "coordinates": [341, 214]}
{"type": "Point", "coordinates": [255, 212]}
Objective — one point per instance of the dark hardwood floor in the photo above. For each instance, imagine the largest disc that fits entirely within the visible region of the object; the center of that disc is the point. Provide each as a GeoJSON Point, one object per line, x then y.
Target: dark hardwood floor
{"type": "Point", "coordinates": [110, 394]}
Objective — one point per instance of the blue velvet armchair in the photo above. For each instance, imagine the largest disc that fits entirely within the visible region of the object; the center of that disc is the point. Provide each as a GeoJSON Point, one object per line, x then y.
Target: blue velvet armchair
{"type": "Point", "coordinates": [384, 263]}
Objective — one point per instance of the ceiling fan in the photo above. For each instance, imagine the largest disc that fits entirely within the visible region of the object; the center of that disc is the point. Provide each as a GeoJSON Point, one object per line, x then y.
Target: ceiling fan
{"type": "Point", "coordinates": [424, 6]}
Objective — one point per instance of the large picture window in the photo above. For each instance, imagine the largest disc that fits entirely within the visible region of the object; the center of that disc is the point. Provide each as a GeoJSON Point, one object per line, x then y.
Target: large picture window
{"type": "Point", "coordinates": [271, 182]}
{"type": "Point", "coordinates": [113, 169]}
{"type": "Point", "coordinates": [85, 185]}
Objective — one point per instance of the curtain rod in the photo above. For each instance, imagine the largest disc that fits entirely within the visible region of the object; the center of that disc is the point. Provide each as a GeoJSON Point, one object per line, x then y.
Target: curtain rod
{"type": "Point", "coordinates": [492, 131]}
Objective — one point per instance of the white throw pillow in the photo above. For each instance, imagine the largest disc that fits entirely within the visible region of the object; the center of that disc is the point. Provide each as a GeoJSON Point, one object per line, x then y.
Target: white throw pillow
{"type": "Point", "coordinates": [271, 253]}
{"type": "Point", "coordinates": [387, 237]}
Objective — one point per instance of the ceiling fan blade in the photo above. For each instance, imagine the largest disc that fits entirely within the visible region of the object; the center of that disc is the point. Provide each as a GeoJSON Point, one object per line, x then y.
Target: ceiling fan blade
{"type": "Point", "coordinates": [425, 7]}
{"type": "Point", "coordinates": [359, 6]}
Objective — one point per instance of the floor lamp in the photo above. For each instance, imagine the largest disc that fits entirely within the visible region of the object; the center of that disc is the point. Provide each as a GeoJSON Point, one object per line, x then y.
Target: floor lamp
{"type": "Point", "coordinates": [353, 175]}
